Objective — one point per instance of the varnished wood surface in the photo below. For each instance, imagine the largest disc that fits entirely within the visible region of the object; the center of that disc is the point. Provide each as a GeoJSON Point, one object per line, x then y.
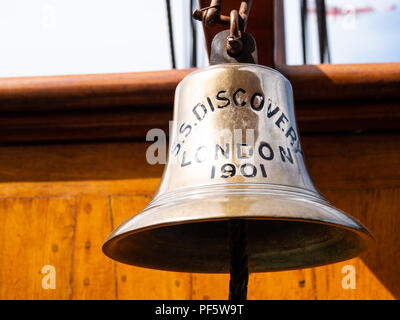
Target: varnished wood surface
{"type": "Point", "coordinates": [59, 202]}
{"type": "Point", "coordinates": [149, 89]}
{"type": "Point", "coordinates": [89, 91]}
{"type": "Point", "coordinates": [327, 82]}
{"type": "Point", "coordinates": [125, 106]}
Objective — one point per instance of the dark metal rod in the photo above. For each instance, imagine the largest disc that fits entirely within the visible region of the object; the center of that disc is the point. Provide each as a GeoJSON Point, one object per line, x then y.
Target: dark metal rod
{"type": "Point", "coordinates": [171, 34]}
{"type": "Point", "coordinates": [304, 24]}
{"type": "Point", "coordinates": [193, 62]}
{"type": "Point", "coordinates": [322, 32]}
{"type": "Point", "coordinates": [239, 270]}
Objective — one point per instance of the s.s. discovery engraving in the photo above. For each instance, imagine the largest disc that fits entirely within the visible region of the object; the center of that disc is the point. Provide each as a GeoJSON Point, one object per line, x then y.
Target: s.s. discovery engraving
{"type": "Point", "coordinates": [256, 102]}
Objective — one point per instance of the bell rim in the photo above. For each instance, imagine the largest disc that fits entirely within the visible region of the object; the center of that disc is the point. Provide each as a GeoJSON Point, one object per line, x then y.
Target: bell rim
{"type": "Point", "coordinates": [364, 235]}
{"type": "Point", "coordinates": [362, 232]}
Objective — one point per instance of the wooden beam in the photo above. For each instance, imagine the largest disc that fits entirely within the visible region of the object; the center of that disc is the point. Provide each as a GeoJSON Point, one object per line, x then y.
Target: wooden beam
{"type": "Point", "coordinates": [82, 125]}
{"type": "Point", "coordinates": [89, 91]}
{"type": "Point", "coordinates": [327, 82]}
{"type": "Point", "coordinates": [134, 123]}
{"type": "Point", "coordinates": [126, 106]}
{"type": "Point", "coordinates": [310, 83]}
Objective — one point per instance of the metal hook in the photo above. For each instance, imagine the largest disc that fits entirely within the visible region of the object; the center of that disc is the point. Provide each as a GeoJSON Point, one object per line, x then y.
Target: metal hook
{"type": "Point", "coordinates": [211, 16]}
{"type": "Point", "coordinates": [234, 44]}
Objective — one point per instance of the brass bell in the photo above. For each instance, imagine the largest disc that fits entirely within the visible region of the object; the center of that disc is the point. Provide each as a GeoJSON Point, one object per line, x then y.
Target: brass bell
{"type": "Point", "coordinates": [235, 153]}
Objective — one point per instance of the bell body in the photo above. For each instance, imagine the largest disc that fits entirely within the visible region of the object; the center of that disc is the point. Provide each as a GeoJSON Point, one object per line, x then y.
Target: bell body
{"type": "Point", "coordinates": [235, 153]}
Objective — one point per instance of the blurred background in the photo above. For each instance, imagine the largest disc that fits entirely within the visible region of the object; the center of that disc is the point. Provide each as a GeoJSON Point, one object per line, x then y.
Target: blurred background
{"type": "Point", "coordinates": [56, 37]}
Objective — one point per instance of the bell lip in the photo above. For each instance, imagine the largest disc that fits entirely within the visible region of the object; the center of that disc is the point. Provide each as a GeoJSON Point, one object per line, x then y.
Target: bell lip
{"type": "Point", "coordinates": [367, 239]}
{"type": "Point", "coordinates": [234, 64]}
{"type": "Point", "coordinates": [363, 233]}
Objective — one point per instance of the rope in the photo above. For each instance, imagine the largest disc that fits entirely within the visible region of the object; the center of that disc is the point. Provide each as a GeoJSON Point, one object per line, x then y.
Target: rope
{"type": "Point", "coordinates": [239, 261]}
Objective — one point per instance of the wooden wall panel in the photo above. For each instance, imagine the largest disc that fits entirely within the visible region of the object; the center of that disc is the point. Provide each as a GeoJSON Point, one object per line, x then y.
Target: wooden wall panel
{"type": "Point", "coordinates": [94, 274]}
{"type": "Point", "coordinates": [376, 275]}
{"type": "Point", "coordinates": [141, 283]}
{"type": "Point", "coordinates": [36, 232]}
{"type": "Point", "coordinates": [323, 283]}
{"type": "Point", "coordinates": [379, 209]}
{"type": "Point", "coordinates": [59, 202]}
